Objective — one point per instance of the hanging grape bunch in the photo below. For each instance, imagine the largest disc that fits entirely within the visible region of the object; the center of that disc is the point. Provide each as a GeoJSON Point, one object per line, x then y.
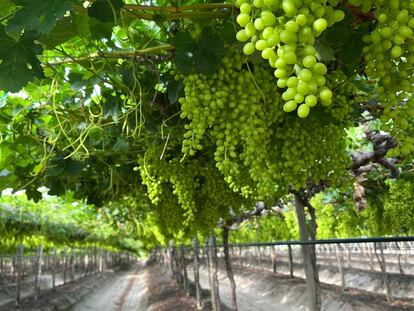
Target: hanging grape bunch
{"type": "Point", "coordinates": [285, 32]}
{"type": "Point", "coordinates": [389, 56]}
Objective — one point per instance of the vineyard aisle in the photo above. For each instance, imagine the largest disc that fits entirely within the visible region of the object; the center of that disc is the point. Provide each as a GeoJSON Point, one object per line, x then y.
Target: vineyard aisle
{"type": "Point", "coordinates": [125, 291]}
{"type": "Point", "coordinates": [262, 291]}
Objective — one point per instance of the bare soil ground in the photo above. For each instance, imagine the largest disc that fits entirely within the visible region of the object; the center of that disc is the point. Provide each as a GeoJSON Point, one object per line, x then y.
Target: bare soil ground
{"type": "Point", "coordinates": [260, 290]}
{"type": "Point", "coordinates": [165, 295]}
{"type": "Point", "coordinates": [149, 287]}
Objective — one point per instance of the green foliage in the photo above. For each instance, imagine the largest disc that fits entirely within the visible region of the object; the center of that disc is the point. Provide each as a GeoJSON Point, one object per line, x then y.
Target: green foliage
{"type": "Point", "coordinates": [39, 16]}
{"type": "Point", "coordinates": [263, 229]}
{"type": "Point", "coordinates": [60, 222]}
{"type": "Point", "coordinates": [93, 107]}
{"type": "Point", "coordinates": [105, 10]}
{"type": "Point", "coordinates": [201, 55]}
{"type": "Point", "coordinates": [17, 56]}
{"type": "Point", "coordinates": [398, 207]}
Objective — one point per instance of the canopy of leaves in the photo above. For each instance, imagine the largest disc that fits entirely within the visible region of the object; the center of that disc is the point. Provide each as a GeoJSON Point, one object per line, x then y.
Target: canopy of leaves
{"type": "Point", "coordinates": [90, 104]}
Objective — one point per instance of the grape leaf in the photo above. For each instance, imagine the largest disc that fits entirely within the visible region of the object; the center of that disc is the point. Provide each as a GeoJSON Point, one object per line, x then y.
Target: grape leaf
{"type": "Point", "coordinates": [38, 15]}
{"type": "Point", "coordinates": [174, 89]}
{"type": "Point", "coordinates": [105, 10]}
{"type": "Point", "coordinates": [6, 7]}
{"type": "Point", "coordinates": [324, 49]}
{"type": "Point", "coordinates": [121, 145]}
{"type": "Point", "coordinates": [201, 56]}
{"type": "Point", "coordinates": [350, 55]}
{"type": "Point", "coordinates": [66, 29]}
{"type": "Point", "coordinates": [338, 34]}
{"type": "Point", "coordinates": [33, 194]}
{"type": "Point", "coordinates": [19, 64]}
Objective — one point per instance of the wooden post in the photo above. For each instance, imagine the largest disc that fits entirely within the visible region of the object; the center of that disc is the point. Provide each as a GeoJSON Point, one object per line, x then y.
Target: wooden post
{"type": "Point", "coordinates": [197, 274]}
{"type": "Point", "coordinates": [273, 255]}
{"type": "Point", "coordinates": [19, 268]}
{"type": "Point", "coordinates": [184, 270]}
{"type": "Point", "coordinates": [228, 268]}
{"type": "Point", "coordinates": [85, 263]}
{"type": "Point", "coordinates": [14, 269]}
{"type": "Point", "coordinates": [95, 259]}
{"type": "Point", "coordinates": [38, 272]}
{"type": "Point", "coordinates": [71, 265]}
{"type": "Point", "coordinates": [383, 267]}
{"type": "Point", "coordinates": [170, 260]}
{"type": "Point", "coordinates": [54, 264]}
{"type": "Point", "coordinates": [309, 259]}
{"type": "Point", "coordinates": [1, 267]}
{"type": "Point", "coordinates": [241, 257]}
{"type": "Point", "coordinates": [340, 261]}
{"type": "Point", "coordinates": [215, 297]}
{"type": "Point", "coordinates": [259, 256]}
{"type": "Point", "coordinates": [65, 265]}
{"type": "Point", "coordinates": [210, 275]}
{"type": "Point", "coordinates": [290, 260]}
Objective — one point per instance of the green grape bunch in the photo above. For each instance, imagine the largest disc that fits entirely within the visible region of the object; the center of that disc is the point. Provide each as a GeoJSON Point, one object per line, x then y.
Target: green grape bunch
{"type": "Point", "coordinates": [389, 57]}
{"type": "Point", "coordinates": [285, 33]}
{"type": "Point", "coordinates": [235, 107]}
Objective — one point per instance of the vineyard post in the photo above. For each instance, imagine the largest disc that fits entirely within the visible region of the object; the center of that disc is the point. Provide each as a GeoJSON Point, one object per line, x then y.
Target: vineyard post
{"type": "Point", "coordinates": [183, 260]}
{"type": "Point", "coordinates": [274, 258]}
{"type": "Point", "coordinates": [85, 263]}
{"type": "Point", "coordinates": [65, 265]}
{"type": "Point", "coordinates": [348, 255]}
{"type": "Point", "coordinates": [165, 259]}
{"type": "Point", "coordinates": [1, 267]}
{"type": "Point", "coordinates": [19, 268]}
{"type": "Point", "coordinates": [371, 260]}
{"type": "Point", "coordinates": [14, 270]}
{"type": "Point", "coordinates": [95, 259]}
{"type": "Point", "coordinates": [105, 260]}
{"type": "Point", "coordinates": [176, 265]}
{"type": "Point", "coordinates": [90, 260]}
{"type": "Point", "coordinates": [383, 266]}
{"type": "Point", "coordinates": [100, 261]}
{"type": "Point", "coordinates": [309, 258]}
{"type": "Point", "coordinates": [240, 257]}
{"type": "Point", "coordinates": [38, 270]}
{"type": "Point", "coordinates": [259, 255]}
{"type": "Point", "coordinates": [214, 262]}
{"type": "Point", "coordinates": [197, 274]}
{"type": "Point", "coordinates": [228, 267]}
{"type": "Point", "coordinates": [71, 265]}
{"type": "Point", "coordinates": [340, 261]}
{"type": "Point", "coordinates": [170, 261]}
{"type": "Point", "coordinates": [54, 259]}
{"type": "Point", "coordinates": [210, 275]}
{"type": "Point", "coordinates": [399, 255]}
{"type": "Point", "coordinates": [290, 260]}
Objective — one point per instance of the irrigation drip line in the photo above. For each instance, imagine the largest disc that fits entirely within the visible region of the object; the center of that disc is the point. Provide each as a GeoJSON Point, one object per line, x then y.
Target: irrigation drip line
{"type": "Point", "coordinates": [328, 241]}
{"type": "Point", "coordinates": [317, 242]}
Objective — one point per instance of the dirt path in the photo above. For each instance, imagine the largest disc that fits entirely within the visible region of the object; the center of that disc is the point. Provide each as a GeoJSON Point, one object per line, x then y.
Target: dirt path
{"type": "Point", "coordinates": [263, 291]}
{"type": "Point", "coordinates": [127, 291]}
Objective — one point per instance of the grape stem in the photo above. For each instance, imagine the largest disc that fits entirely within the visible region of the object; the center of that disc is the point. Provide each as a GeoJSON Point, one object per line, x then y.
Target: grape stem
{"type": "Point", "coordinates": [175, 16]}
{"type": "Point", "coordinates": [118, 54]}
{"type": "Point", "coordinates": [176, 9]}
{"type": "Point", "coordinates": [360, 17]}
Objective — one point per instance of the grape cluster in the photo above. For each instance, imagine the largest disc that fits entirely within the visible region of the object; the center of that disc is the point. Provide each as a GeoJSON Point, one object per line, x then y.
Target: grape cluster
{"type": "Point", "coordinates": [390, 60]}
{"type": "Point", "coordinates": [237, 106]}
{"type": "Point", "coordinates": [398, 207]}
{"type": "Point", "coordinates": [309, 150]}
{"type": "Point", "coordinates": [189, 195]}
{"type": "Point", "coordinates": [162, 177]}
{"type": "Point", "coordinates": [259, 149]}
{"type": "Point", "coordinates": [285, 33]}
{"type": "Point", "coordinates": [345, 98]}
